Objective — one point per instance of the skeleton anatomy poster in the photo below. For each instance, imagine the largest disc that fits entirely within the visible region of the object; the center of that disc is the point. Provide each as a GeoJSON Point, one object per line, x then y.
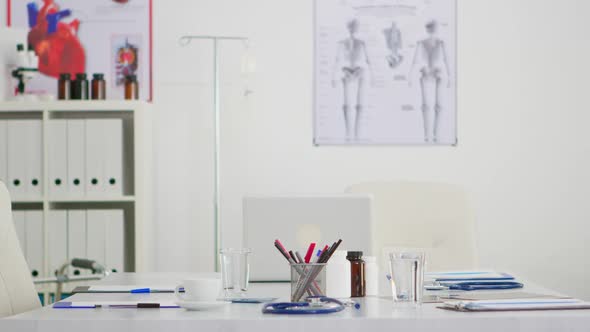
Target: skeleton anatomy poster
{"type": "Point", "coordinates": [385, 72]}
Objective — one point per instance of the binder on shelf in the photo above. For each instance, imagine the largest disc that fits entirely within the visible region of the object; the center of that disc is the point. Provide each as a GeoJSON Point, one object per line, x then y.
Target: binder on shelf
{"type": "Point", "coordinates": [95, 230]}
{"type": "Point", "coordinates": [58, 240]}
{"type": "Point", "coordinates": [57, 157]}
{"type": "Point", "coordinates": [18, 217]}
{"type": "Point", "coordinates": [76, 237]}
{"type": "Point", "coordinates": [3, 151]}
{"type": "Point", "coordinates": [33, 143]}
{"type": "Point", "coordinates": [113, 156]}
{"type": "Point", "coordinates": [95, 156]}
{"type": "Point", "coordinates": [115, 244]}
{"type": "Point", "coordinates": [76, 167]}
{"type": "Point", "coordinates": [34, 241]}
{"type": "Point", "coordinates": [16, 158]}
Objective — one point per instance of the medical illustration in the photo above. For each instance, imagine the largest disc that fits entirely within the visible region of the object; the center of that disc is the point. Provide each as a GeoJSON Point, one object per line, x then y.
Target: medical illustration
{"type": "Point", "coordinates": [393, 41]}
{"type": "Point", "coordinates": [351, 67]}
{"type": "Point", "coordinates": [55, 42]}
{"type": "Point", "coordinates": [431, 56]}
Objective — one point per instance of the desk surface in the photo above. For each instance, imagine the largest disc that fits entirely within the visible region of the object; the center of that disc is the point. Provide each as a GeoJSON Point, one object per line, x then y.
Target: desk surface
{"type": "Point", "coordinates": [376, 314]}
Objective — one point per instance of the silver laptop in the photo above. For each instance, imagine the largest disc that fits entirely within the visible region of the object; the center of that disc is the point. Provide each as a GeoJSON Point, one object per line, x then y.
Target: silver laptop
{"type": "Point", "coordinates": [299, 220]}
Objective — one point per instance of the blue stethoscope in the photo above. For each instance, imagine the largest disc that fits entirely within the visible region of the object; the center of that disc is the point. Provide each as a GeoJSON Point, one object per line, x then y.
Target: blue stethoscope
{"type": "Point", "coordinates": [313, 306]}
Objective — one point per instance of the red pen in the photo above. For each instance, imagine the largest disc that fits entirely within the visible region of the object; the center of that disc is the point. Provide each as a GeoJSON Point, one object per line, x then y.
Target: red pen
{"type": "Point", "coordinates": [309, 252]}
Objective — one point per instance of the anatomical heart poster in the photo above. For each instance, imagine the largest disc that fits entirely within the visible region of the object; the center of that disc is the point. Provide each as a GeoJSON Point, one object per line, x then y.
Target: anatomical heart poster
{"type": "Point", "coordinates": [110, 37]}
{"type": "Point", "coordinates": [385, 72]}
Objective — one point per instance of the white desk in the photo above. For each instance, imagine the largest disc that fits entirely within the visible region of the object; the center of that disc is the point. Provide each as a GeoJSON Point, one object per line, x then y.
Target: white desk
{"type": "Point", "coordinates": [376, 314]}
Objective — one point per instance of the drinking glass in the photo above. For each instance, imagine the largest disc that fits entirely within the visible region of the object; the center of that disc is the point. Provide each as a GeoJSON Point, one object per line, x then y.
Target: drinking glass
{"type": "Point", "coordinates": [407, 276]}
{"type": "Point", "coordinates": [235, 272]}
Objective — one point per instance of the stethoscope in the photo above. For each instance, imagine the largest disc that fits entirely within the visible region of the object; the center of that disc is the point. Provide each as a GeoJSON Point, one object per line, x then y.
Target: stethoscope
{"type": "Point", "coordinates": [314, 305]}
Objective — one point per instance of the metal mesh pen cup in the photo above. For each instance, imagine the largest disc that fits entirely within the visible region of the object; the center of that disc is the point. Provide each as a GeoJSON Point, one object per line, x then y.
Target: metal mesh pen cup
{"type": "Point", "coordinates": [307, 280]}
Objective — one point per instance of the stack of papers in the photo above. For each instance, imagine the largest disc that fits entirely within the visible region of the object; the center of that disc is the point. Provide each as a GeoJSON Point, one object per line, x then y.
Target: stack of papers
{"type": "Point", "coordinates": [459, 276]}
{"type": "Point", "coordinates": [516, 305]}
{"type": "Point", "coordinates": [470, 281]}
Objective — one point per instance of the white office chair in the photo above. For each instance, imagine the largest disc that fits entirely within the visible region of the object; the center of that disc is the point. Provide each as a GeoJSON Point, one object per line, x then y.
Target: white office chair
{"type": "Point", "coordinates": [432, 216]}
{"type": "Point", "coordinates": [17, 292]}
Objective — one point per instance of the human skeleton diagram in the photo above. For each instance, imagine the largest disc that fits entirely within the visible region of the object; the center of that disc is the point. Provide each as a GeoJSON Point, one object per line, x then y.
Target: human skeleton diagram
{"type": "Point", "coordinates": [431, 55]}
{"type": "Point", "coordinates": [393, 40]}
{"type": "Point", "coordinates": [351, 67]}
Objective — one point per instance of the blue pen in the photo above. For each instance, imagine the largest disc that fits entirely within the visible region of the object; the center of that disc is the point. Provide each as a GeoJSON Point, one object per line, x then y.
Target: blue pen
{"type": "Point", "coordinates": [140, 290]}
{"type": "Point", "coordinates": [149, 290]}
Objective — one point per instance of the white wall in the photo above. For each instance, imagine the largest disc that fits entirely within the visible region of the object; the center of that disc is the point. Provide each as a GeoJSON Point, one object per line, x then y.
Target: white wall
{"type": "Point", "coordinates": [523, 149]}
{"type": "Point", "coordinates": [523, 116]}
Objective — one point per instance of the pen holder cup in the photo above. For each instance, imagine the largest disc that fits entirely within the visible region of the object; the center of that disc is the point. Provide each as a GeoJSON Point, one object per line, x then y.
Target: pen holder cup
{"type": "Point", "coordinates": [307, 280]}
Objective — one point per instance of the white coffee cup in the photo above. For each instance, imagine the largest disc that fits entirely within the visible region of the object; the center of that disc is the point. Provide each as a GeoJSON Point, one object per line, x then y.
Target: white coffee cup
{"type": "Point", "coordinates": [199, 290]}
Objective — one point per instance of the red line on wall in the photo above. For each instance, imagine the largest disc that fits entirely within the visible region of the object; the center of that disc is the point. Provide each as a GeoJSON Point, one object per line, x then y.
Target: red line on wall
{"type": "Point", "coordinates": [8, 13]}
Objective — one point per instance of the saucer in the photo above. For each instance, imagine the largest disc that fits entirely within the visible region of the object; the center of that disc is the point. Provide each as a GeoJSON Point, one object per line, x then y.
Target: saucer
{"type": "Point", "coordinates": [200, 305]}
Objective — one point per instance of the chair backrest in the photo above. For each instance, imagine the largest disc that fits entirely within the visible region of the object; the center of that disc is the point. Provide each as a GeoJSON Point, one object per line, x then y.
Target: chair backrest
{"type": "Point", "coordinates": [432, 216]}
{"type": "Point", "coordinates": [17, 291]}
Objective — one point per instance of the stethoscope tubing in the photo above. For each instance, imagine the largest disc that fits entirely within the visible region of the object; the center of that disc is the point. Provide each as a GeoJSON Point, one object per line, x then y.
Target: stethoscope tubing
{"type": "Point", "coordinates": [290, 308]}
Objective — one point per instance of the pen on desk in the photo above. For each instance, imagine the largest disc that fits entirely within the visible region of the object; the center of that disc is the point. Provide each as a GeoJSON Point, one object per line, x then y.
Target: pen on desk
{"type": "Point", "coordinates": [309, 252]}
{"type": "Point", "coordinates": [140, 290]}
{"type": "Point", "coordinates": [141, 306]}
{"type": "Point", "coordinates": [300, 260]}
{"type": "Point", "coordinates": [149, 290]}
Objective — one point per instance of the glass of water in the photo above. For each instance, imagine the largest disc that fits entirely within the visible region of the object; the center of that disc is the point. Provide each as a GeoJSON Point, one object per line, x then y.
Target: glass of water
{"type": "Point", "coordinates": [407, 276]}
{"type": "Point", "coordinates": [235, 272]}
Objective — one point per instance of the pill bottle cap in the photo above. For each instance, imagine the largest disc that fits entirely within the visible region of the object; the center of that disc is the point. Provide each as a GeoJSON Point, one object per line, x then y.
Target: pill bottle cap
{"type": "Point", "coordinates": [354, 255]}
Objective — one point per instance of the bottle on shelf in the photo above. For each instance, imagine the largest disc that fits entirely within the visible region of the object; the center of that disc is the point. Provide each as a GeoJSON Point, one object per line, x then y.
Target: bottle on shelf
{"type": "Point", "coordinates": [21, 58]}
{"type": "Point", "coordinates": [80, 87]}
{"type": "Point", "coordinates": [64, 87]}
{"type": "Point", "coordinates": [357, 273]}
{"type": "Point", "coordinates": [131, 87]}
{"type": "Point", "coordinates": [98, 87]}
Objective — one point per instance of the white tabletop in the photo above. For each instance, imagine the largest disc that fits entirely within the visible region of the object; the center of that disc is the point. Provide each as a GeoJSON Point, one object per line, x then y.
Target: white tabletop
{"type": "Point", "coordinates": [375, 314]}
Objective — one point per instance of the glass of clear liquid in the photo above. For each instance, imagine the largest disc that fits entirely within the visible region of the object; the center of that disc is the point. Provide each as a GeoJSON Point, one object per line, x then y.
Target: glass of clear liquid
{"type": "Point", "coordinates": [407, 276]}
{"type": "Point", "coordinates": [235, 272]}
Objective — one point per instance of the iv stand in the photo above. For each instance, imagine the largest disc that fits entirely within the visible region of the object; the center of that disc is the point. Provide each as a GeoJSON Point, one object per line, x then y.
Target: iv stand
{"type": "Point", "coordinates": [184, 41]}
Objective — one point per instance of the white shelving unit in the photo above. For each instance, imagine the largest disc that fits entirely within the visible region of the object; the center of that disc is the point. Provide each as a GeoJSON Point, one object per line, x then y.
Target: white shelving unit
{"type": "Point", "coordinates": [136, 198]}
